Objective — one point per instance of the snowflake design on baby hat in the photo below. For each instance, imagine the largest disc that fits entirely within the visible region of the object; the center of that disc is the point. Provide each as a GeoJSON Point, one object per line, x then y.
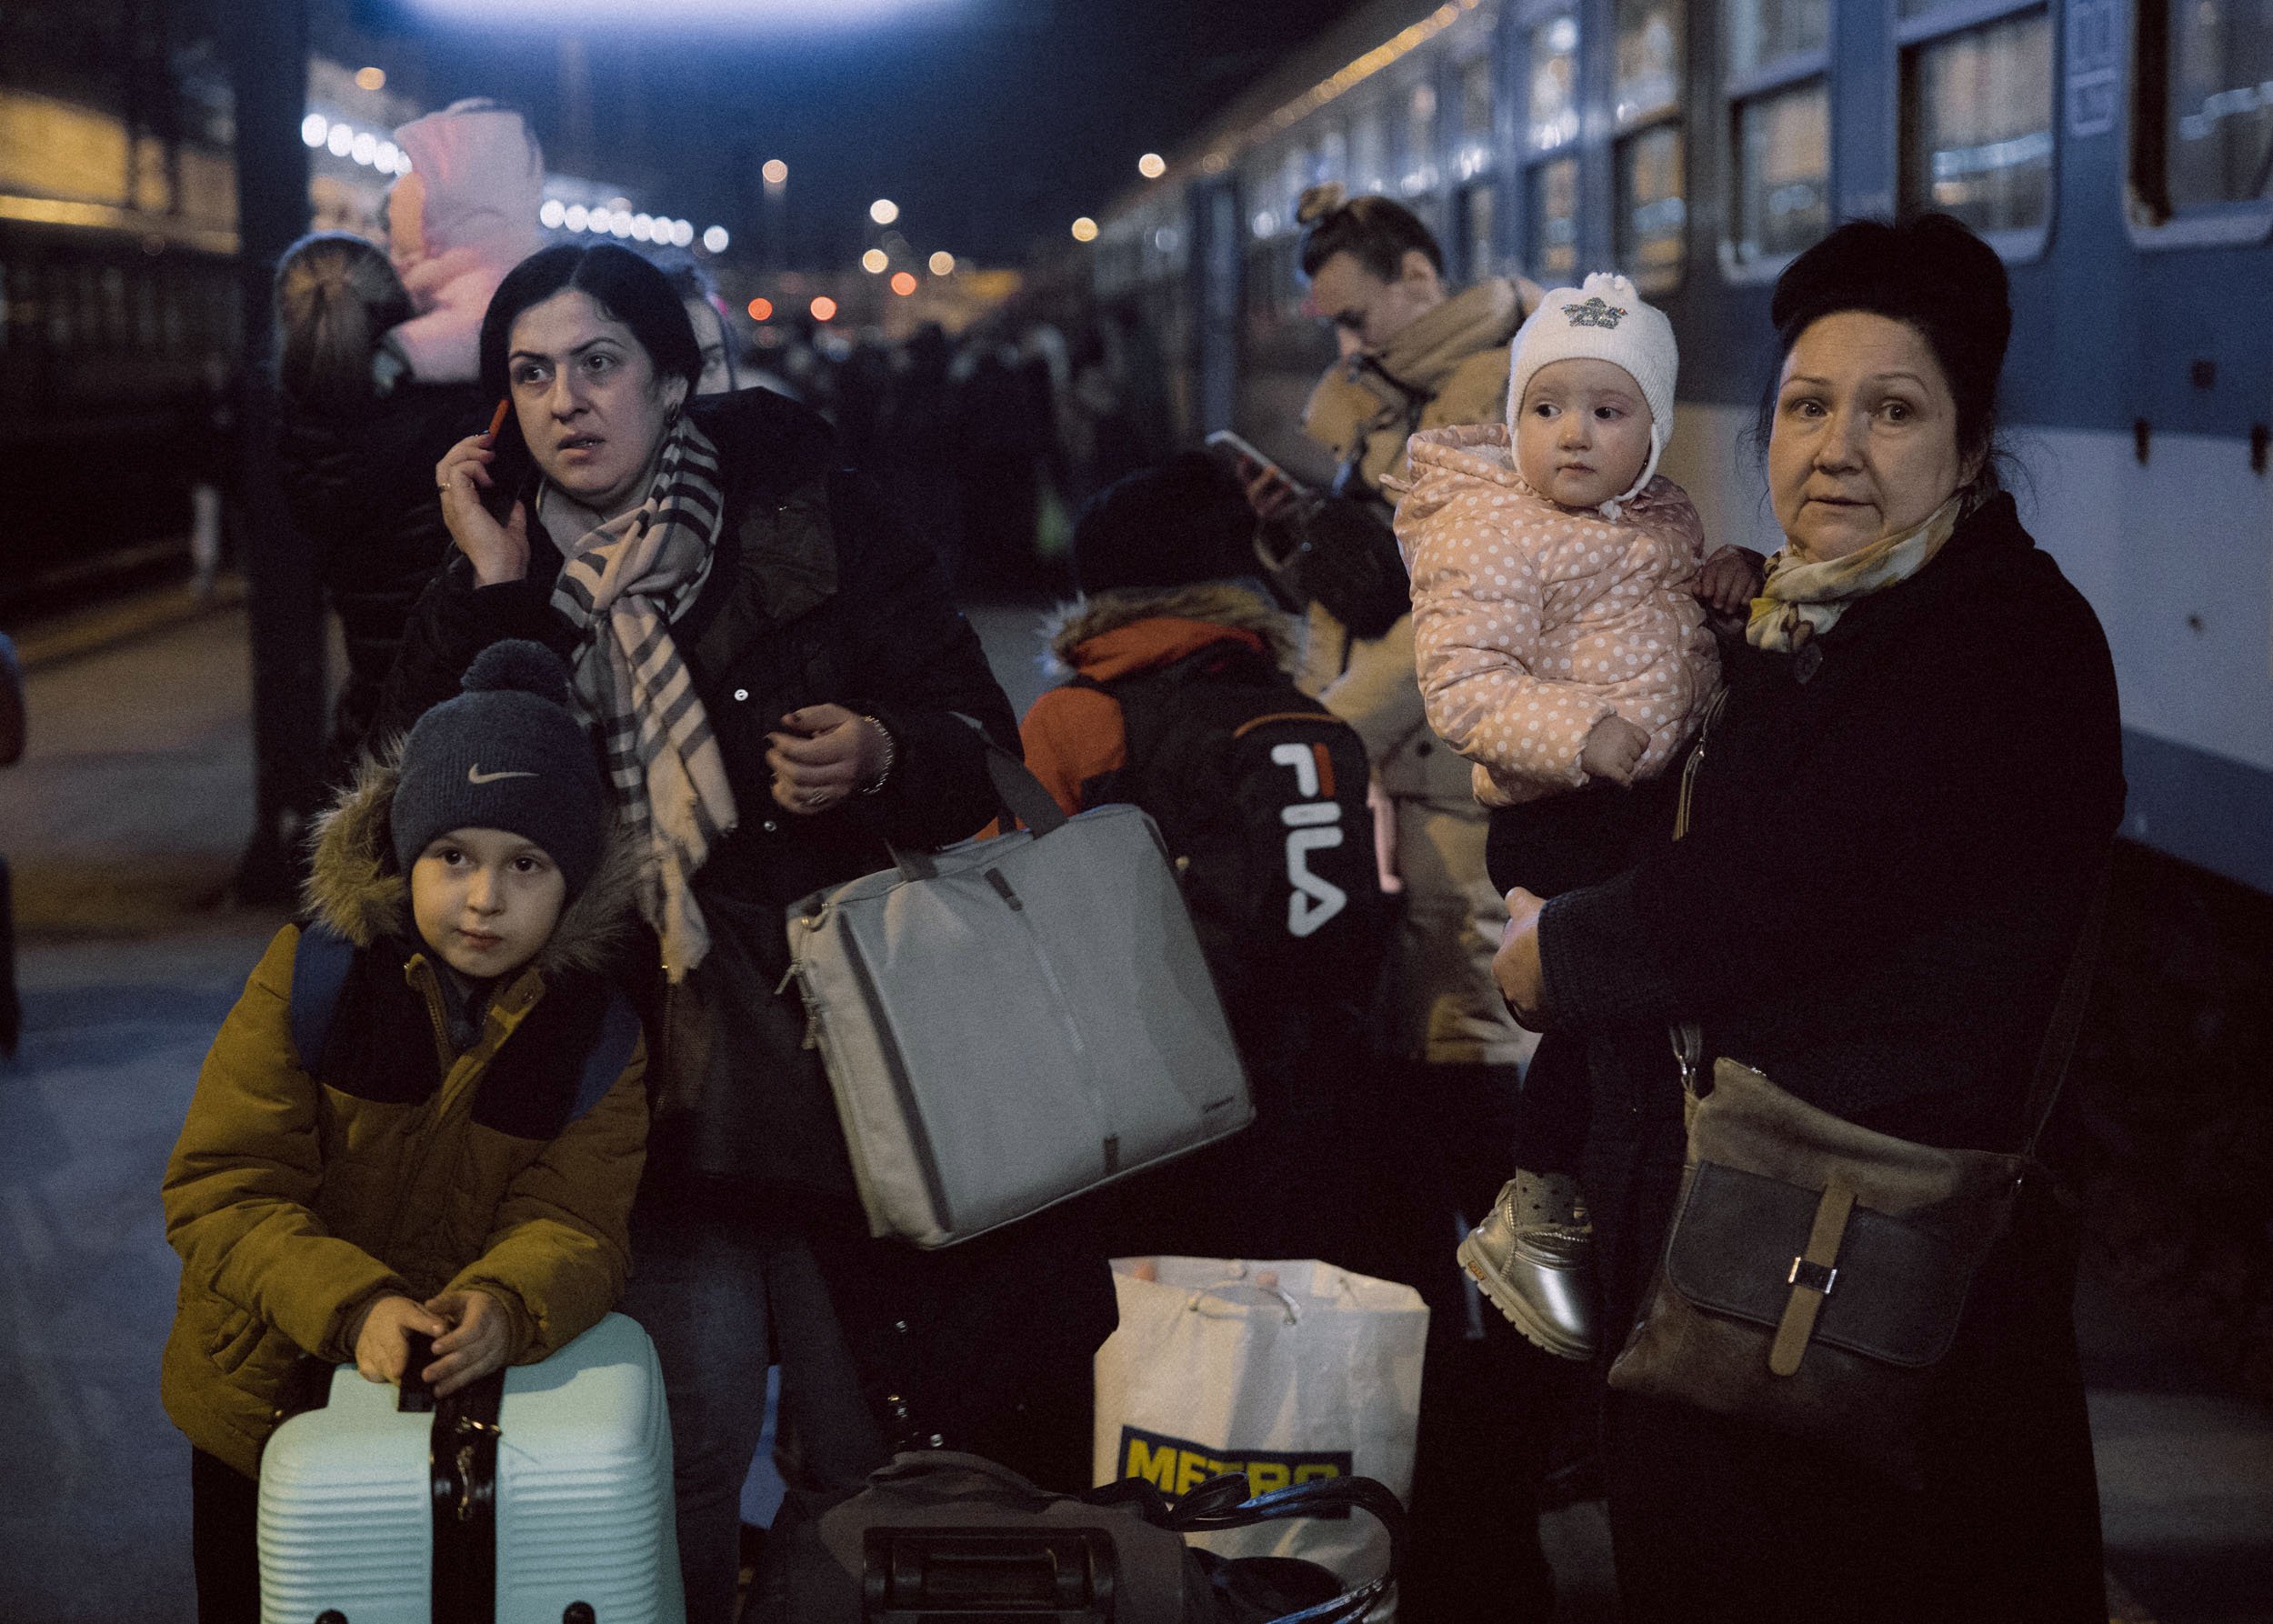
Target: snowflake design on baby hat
{"type": "Point", "coordinates": [1594, 313]}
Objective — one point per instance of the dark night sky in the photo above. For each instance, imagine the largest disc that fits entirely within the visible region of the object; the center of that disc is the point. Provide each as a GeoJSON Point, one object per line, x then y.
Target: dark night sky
{"type": "Point", "coordinates": [992, 122]}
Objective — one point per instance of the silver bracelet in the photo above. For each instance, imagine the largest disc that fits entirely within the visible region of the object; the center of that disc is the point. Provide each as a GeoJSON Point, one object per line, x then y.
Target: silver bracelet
{"type": "Point", "coordinates": [891, 757]}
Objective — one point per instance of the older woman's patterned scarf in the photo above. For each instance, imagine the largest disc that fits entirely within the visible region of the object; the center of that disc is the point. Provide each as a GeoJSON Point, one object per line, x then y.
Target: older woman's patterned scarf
{"type": "Point", "coordinates": [623, 587]}
{"type": "Point", "coordinates": [1804, 598]}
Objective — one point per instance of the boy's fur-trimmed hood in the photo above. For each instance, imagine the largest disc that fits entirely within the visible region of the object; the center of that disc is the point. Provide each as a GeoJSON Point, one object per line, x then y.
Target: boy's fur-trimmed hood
{"type": "Point", "coordinates": [1220, 603]}
{"type": "Point", "coordinates": [354, 888]}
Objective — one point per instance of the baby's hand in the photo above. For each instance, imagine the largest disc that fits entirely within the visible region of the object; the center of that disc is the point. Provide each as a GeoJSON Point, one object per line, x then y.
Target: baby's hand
{"type": "Point", "coordinates": [476, 1344]}
{"type": "Point", "coordinates": [1729, 581]}
{"type": "Point", "coordinates": [1613, 750]}
{"type": "Point", "coordinates": [381, 1352]}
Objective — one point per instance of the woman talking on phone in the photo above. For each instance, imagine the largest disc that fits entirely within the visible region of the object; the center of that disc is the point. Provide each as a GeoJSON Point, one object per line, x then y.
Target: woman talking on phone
{"type": "Point", "coordinates": [782, 689]}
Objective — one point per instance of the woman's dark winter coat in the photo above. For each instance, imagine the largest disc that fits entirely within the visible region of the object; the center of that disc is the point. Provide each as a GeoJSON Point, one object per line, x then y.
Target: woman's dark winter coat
{"type": "Point", "coordinates": [1890, 854]}
{"type": "Point", "coordinates": [361, 488]}
{"type": "Point", "coordinates": [817, 595]}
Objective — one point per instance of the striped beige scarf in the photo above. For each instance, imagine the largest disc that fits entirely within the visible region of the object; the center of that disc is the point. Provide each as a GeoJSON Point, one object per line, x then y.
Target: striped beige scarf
{"type": "Point", "coordinates": [623, 587]}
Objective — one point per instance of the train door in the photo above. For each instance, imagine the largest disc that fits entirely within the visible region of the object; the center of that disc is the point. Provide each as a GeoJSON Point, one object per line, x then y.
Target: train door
{"type": "Point", "coordinates": [1216, 241]}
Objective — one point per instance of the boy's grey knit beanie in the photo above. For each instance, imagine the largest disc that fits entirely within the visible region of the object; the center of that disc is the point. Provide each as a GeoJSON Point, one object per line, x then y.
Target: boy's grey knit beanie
{"type": "Point", "coordinates": [505, 754]}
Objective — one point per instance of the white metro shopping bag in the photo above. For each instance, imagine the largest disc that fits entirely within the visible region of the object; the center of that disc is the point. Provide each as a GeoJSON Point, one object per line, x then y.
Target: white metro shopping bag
{"type": "Point", "coordinates": [1286, 1371]}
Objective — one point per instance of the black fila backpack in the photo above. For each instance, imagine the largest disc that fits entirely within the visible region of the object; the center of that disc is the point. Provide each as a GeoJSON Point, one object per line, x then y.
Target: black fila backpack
{"type": "Point", "coordinates": [1260, 793]}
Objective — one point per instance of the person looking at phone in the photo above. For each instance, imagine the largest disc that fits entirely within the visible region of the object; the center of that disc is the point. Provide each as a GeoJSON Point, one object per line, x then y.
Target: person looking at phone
{"type": "Point", "coordinates": [1415, 355]}
{"type": "Point", "coordinates": [804, 697]}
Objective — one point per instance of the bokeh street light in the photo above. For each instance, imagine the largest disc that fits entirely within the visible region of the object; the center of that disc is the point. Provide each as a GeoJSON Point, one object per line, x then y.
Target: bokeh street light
{"type": "Point", "coordinates": [903, 283]}
{"type": "Point", "coordinates": [1152, 165]}
{"type": "Point", "coordinates": [776, 172]}
{"type": "Point", "coordinates": [943, 263]}
{"type": "Point", "coordinates": [761, 310]}
{"type": "Point", "coordinates": [884, 211]}
{"type": "Point", "coordinates": [875, 262]}
{"type": "Point", "coordinates": [1085, 230]}
{"type": "Point", "coordinates": [715, 239]}
{"type": "Point", "coordinates": [371, 78]}
{"type": "Point", "coordinates": [823, 308]}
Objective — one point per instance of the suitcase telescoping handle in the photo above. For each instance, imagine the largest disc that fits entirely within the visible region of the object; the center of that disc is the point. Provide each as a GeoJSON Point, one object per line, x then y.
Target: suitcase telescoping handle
{"type": "Point", "coordinates": [414, 1393]}
{"type": "Point", "coordinates": [1019, 793]}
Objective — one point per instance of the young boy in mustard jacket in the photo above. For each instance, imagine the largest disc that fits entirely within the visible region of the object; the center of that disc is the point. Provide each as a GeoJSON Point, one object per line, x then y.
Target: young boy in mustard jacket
{"type": "Point", "coordinates": [427, 1111]}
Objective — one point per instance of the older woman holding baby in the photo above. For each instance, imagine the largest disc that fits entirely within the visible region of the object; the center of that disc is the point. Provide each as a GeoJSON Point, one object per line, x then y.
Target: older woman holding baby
{"type": "Point", "coordinates": [1897, 821]}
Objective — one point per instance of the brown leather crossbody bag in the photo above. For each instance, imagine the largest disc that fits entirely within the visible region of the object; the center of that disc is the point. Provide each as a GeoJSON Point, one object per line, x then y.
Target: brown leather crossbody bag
{"type": "Point", "coordinates": [1816, 1272]}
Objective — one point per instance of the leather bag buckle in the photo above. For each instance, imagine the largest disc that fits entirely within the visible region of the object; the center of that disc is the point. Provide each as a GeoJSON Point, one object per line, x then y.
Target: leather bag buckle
{"type": "Point", "coordinates": [1813, 1277]}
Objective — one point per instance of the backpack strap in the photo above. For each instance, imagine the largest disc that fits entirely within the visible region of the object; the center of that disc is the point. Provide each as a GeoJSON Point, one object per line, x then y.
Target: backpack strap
{"type": "Point", "coordinates": [611, 1051]}
{"type": "Point", "coordinates": [319, 970]}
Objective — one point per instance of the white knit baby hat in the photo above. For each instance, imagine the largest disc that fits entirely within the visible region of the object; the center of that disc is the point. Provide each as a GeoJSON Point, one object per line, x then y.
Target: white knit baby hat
{"type": "Point", "coordinates": [1605, 320]}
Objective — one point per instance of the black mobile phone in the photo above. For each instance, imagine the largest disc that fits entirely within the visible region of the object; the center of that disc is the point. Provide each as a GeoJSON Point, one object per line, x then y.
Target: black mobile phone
{"type": "Point", "coordinates": [511, 469]}
{"type": "Point", "coordinates": [1225, 442]}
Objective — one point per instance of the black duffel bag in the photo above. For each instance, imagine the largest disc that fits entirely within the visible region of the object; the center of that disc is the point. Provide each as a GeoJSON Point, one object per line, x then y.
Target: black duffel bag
{"type": "Point", "coordinates": [937, 1533]}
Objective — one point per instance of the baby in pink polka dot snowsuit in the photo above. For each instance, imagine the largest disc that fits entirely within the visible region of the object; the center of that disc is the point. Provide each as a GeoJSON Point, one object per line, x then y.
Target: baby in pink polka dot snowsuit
{"type": "Point", "coordinates": [1534, 622]}
{"type": "Point", "coordinates": [1562, 649]}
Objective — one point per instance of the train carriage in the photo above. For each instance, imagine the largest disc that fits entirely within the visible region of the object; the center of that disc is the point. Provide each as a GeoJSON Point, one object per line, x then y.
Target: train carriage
{"type": "Point", "coordinates": [2118, 155]}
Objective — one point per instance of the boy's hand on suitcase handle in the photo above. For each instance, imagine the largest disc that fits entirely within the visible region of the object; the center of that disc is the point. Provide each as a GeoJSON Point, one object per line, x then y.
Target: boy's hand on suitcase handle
{"type": "Point", "coordinates": [381, 1347]}
{"type": "Point", "coordinates": [474, 1343]}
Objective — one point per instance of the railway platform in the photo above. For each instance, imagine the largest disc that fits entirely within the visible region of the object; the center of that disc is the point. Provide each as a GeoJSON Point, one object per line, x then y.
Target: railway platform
{"type": "Point", "coordinates": [122, 824]}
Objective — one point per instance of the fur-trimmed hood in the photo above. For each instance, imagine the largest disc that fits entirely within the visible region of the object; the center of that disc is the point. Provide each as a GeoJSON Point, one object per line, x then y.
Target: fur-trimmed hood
{"type": "Point", "coordinates": [1225, 604]}
{"type": "Point", "coordinates": [354, 888]}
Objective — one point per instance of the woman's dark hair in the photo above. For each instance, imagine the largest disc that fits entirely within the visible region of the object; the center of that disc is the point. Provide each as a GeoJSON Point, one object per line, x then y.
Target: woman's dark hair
{"type": "Point", "coordinates": [624, 286]}
{"type": "Point", "coordinates": [336, 297]}
{"type": "Point", "coordinates": [1932, 274]}
{"type": "Point", "coordinates": [1377, 231]}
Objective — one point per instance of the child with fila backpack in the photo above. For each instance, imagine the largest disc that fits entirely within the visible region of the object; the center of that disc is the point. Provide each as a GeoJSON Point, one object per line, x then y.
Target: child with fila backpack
{"type": "Point", "coordinates": [1560, 593]}
{"type": "Point", "coordinates": [1179, 700]}
{"type": "Point", "coordinates": [428, 1112]}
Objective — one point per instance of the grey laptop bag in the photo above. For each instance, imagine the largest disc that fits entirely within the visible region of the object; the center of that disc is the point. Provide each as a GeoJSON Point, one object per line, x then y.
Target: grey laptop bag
{"type": "Point", "coordinates": [1009, 1022]}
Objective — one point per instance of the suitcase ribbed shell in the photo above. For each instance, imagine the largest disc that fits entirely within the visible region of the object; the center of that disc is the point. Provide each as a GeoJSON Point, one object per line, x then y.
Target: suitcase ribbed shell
{"type": "Point", "coordinates": [584, 1496]}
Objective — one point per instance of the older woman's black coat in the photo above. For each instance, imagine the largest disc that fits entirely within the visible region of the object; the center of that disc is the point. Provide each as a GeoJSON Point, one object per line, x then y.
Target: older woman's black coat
{"type": "Point", "coordinates": [361, 488]}
{"type": "Point", "coordinates": [817, 594]}
{"type": "Point", "coordinates": [1885, 869]}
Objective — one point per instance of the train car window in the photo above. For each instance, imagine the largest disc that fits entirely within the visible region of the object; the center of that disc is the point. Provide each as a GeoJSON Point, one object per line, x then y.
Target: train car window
{"type": "Point", "coordinates": [1476, 99]}
{"type": "Point", "coordinates": [114, 320]}
{"type": "Point", "coordinates": [1650, 230]}
{"type": "Point", "coordinates": [1369, 154]}
{"type": "Point", "coordinates": [1551, 116]}
{"type": "Point", "coordinates": [1652, 215]}
{"type": "Point", "coordinates": [1976, 122]}
{"type": "Point", "coordinates": [1649, 57]}
{"type": "Point", "coordinates": [1479, 250]}
{"type": "Point", "coordinates": [1762, 33]}
{"type": "Point", "coordinates": [1417, 173]}
{"type": "Point", "coordinates": [1552, 189]}
{"type": "Point", "coordinates": [2202, 133]}
{"type": "Point", "coordinates": [1261, 183]}
{"type": "Point", "coordinates": [1550, 128]}
{"type": "Point", "coordinates": [1783, 173]}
